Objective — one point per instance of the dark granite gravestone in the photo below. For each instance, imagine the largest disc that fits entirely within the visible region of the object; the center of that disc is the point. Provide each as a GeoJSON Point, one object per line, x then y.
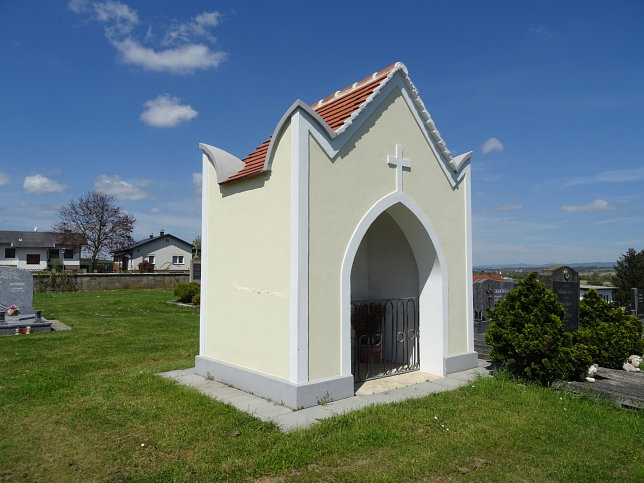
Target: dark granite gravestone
{"type": "Point", "coordinates": [487, 292]}
{"type": "Point", "coordinates": [17, 288]}
{"type": "Point", "coordinates": [564, 282]}
{"type": "Point", "coordinates": [195, 270]}
{"type": "Point", "coordinates": [637, 301]}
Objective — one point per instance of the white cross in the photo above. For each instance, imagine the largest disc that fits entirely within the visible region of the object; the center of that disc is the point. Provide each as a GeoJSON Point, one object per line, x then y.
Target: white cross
{"type": "Point", "coordinates": [399, 163]}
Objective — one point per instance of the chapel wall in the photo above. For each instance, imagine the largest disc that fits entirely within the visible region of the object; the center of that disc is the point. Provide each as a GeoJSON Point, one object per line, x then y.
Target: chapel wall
{"type": "Point", "coordinates": [343, 190]}
{"type": "Point", "coordinates": [248, 263]}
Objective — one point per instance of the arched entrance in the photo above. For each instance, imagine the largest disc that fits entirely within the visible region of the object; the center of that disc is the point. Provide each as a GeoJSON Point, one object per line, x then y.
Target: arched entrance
{"type": "Point", "coordinates": [384, 303]}
{"type": "Point", "coordinates": [394, 257]}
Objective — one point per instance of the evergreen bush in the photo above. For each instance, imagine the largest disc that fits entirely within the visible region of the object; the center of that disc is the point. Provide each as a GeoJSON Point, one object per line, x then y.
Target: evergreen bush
{"type": "Point", "coordinates": [527, 334]}
{"type": "Point", "coordinates": [610, 334]}
{"type": "Point", "coordinates": [187, 291]}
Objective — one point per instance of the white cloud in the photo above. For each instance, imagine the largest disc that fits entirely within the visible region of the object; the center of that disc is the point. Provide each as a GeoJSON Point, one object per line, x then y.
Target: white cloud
{"type": "Point", "coordinates": [4, 178]}
{"type": "Point", "coordinates": [196, 181]}
{"type": "Point", "coordinates": [491, 145]}
{"type": "Point", "coordinates": [541, 31]}
{"type": "Point", "coordinates": [612, 176]}
{"type": "Point", "coordinates": [200, 27]}
{"type": "Point", "coordinates": [165, 111]}
{"type": "Point", "coordinates": [115, 11]}
{"type": "Point", "coordinates": [122, 190]}
{"type": "Point", "coordinates": [510, 207]}
{"type": "Point", "coordinates": [181, 60]}
{"type": "Point", "coordinates": [78, 6]}
{"type": "Point", "coordinates": [40, 185]}
{"type": "Point", "coordinates": [594, 207]}
{"type": "Point", "coordinates": [183, 57]}
{"type": "Point", "coordinates": [154, 211]}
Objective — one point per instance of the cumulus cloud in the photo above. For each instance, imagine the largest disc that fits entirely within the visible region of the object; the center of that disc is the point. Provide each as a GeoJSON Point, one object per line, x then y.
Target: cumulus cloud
{"type": "Point", "coordinates": [180, 60]}
{"type": "Point", "coordinates": [596, 206]}
{"type": "Point", "coordinates": [510, 207]}
{"type": "Point", "coordinates": [122, 190]}
{"type": "Point", "coordinates": [492, 145]}
{"type": "Point", "coordinates": [115, 11]}
{"type": "Point", "coordinates": [4, 178]}
{"type": "Point", "coordinates": [41, 185]}
{"type": "Point", "coordinates": [199, 26]}
{"type": "Point", "coordinates": [166, 111]}
{"type": "Point", "coordinates": [196, 181]}
{"type": "Point", "coordinates": [179, 52]}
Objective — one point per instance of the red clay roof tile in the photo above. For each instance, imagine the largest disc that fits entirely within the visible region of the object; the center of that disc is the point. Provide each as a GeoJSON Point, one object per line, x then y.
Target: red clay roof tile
{"type": "Point", "coordinates": [334, 110]}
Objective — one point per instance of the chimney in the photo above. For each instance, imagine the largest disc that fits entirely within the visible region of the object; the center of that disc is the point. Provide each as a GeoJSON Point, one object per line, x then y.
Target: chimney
{"type": "Point", "coordinates": [161, 233]}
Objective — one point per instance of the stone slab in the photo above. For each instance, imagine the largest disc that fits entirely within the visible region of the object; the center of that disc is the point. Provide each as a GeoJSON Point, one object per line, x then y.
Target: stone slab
{"type": "Point", "coordinates": [398, 388]}
{"type": "Point", "coordinates": [626, 388]}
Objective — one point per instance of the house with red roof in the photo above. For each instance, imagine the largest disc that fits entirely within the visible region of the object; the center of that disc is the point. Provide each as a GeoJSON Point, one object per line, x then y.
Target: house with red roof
{"type": "Point", "coordinates": [339, 250]}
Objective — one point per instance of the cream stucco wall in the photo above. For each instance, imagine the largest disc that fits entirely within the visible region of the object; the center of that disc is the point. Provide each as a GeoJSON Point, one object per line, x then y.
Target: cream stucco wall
{"type": "Point", "coordinates": [342, 191]}
{"type": "Point", "coordinates": [248, 262]}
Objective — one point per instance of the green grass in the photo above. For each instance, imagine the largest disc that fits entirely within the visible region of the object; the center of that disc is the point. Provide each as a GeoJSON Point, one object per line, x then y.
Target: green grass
{"type": "Point", "coordinates": [87, 405]}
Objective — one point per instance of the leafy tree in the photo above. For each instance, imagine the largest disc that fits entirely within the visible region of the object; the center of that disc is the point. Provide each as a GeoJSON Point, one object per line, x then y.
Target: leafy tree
{"type": "Point", "coordinates": [629, 273]}
{"type": "Point", "coordinates": [96, 217]}
{"type": "Point", "coordinates": [527, 333]}
{"type": "Point", "coordinates": [610, 334]}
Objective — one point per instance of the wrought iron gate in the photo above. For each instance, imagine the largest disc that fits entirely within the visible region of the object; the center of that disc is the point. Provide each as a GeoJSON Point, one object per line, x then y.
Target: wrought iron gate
{"type": "Point", "coordinates": [384, 338]}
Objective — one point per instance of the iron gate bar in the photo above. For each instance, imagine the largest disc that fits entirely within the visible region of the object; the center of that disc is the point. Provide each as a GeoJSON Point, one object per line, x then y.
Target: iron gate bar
{"type": "Point", "coordinates": [385, 337]}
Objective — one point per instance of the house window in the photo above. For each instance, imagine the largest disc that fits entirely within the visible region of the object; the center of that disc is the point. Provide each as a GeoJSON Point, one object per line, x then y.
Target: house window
{"type": "Point", "coordinates": [149, 259]}
{"type": "Point", "coordinates": [10, 253]}
{"type": "Point", "coordinates": [54, 253]}
{"type": "Point", "coordinates": [177, 259]}
{"type": "Point", "coordinates": [33, 259]}
{"type": "Point", "coordinates": [68, 254]}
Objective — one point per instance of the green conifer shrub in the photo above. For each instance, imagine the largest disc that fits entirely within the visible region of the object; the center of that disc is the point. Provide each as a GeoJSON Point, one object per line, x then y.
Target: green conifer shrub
{"type": "Point", "coordinates": [185, 292]}
{"type": "Point", "coordinates": [527, 334]}
{"type": "Point", "coordinates": [610, 334]}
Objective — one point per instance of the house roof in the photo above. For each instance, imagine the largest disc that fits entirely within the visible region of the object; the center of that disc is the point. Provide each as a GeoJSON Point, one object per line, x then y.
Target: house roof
{"type": "Point", "coordinates": [489, 276]}
{"type": "Point", "coordinates": [340, 109]}
{"type": "Point", "coordinates": [39, 239]}
{"type": "Point", "coordinates": [145, 241]}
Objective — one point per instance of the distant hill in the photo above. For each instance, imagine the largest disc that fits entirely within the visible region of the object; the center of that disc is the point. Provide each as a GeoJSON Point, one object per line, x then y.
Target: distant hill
{"type": "Point", "coordinates": [539, 267]}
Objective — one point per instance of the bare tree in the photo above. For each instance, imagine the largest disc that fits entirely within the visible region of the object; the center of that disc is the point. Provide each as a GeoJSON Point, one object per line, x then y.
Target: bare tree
{"type": "Point", "coordinates": [97, 218]}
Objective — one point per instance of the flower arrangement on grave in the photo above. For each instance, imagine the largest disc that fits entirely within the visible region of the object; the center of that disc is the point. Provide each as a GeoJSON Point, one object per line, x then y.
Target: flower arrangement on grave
{"type": "Point", "coordinates": [13, 310]}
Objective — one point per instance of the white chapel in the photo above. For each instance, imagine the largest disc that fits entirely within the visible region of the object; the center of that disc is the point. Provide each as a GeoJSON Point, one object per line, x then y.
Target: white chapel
{"type": "Point", "coordinates": [339, 250]}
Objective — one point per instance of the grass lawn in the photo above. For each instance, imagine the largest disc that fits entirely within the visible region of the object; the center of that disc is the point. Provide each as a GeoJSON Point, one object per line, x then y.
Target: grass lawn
{"type": "Point", "coordinates": [87, 405]}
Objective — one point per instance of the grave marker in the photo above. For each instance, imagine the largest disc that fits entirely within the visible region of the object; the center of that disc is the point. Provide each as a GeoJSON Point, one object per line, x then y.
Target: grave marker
{"type": "Point", "coordinates": [564, 282]}
{"type": "Point", "coordinates": [17, 288]}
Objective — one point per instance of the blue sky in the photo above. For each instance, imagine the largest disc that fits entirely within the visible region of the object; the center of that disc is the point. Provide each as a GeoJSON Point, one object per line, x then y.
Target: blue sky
{"type": "Point", "coordinates": [116, 96]}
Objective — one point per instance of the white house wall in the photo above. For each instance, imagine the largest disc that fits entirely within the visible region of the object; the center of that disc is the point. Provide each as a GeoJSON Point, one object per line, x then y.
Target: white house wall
{"type": "Point", "coordinates": [163, 250]}
{"type": "Point", "coordinates": [246, 274]}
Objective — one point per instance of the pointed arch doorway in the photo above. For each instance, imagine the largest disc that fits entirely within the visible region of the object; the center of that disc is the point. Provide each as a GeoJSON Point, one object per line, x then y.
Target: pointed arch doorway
{"type": "Point", "coordinates": [393, 294]}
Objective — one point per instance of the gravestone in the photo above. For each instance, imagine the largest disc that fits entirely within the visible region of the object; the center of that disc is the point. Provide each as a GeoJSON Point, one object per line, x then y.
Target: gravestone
{"type": "Point", "coordinates": [17, 288]}
{"type": "Point", "coordinates": [195, 270]}
{"type": "Point", "coordinates": [487, 292]}
{"type": "Point", "coordinates": [564, 282]}
{"type": "Point", "coordinates": [637, 301]}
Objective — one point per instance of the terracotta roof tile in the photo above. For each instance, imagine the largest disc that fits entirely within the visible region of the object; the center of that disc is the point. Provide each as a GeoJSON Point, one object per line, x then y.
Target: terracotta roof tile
{"type": "Point", "coordinates": [334, 110]}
